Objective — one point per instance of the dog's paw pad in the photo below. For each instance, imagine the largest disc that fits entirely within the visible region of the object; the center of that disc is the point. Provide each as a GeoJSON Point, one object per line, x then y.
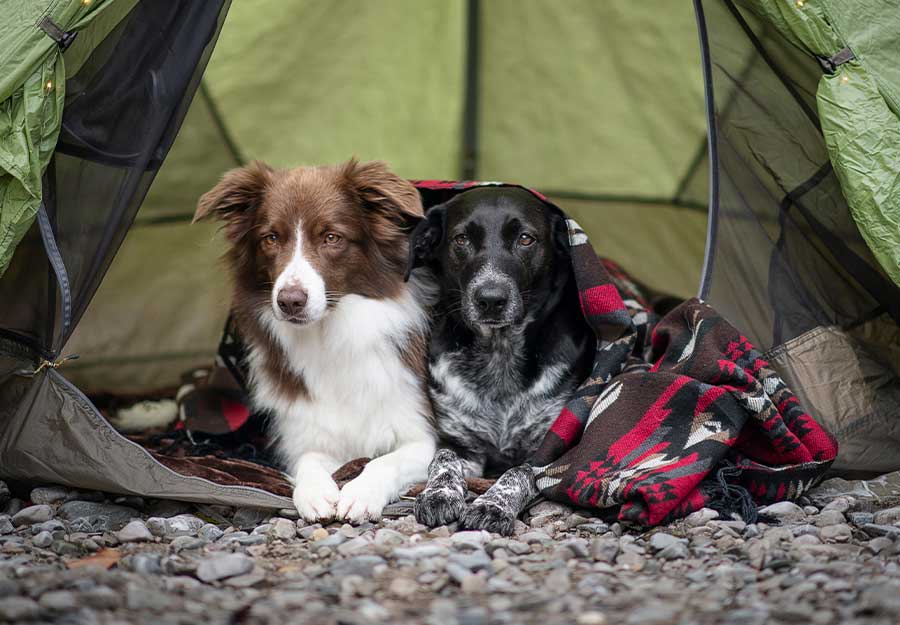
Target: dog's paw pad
{"type": "Point", "coordinates": [438, 507]}
{"type": "Point", "coordinates": [483, 515]}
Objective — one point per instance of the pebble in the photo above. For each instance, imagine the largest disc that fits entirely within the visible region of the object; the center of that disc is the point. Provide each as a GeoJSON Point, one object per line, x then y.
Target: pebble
{"type": "Point", "coordinates": [828, 517]}
{"type": "Point", "coordinates": [674, 551]}
{"type": "Point", "coordinates": [183, 525]}
{"type": "Point", "coordinates": [6, 525]}
{"type": "Point", "coordinates": [220, 567]}
{"type": "Point", "coordinates": [14, 609]}
{"type": "Point", "coordinates": [661, 540]}
{"type": "Point", "coordinates": [604, 549]}
{"type": "Point", "coordinates": [248, 518]}
{"type": "Point", "coordinates": [59, 601]}
{"type": "Point", "coordinates": [700, 517]}
{"type": "Point", "coordinates": [42, 539]}
{"type": "Point", "coordinates": [358, 565]}
{"type": "Point", "coordinates": [32, 515]}
{"type": "Point", "coordinates": [860, 518]}
{"type": "Point", "coordinates": [389, 537]}
{"type": "Point", "coordinates": [783, 511]}
{"type": "Point", "coordinates": [48, 494]}
{"type": "Point", "coordinates": [318, 534]}
{"type": "Point", "coordinates": [836, 533]}
{"type": "Point", "coordinates": [284, 529]}
{"type": "Point", "coordinates": [134, 532]}
{"type": "Point", "coordinates": [100, 517]}
{"type": "Point", "coordinates": [427, 550]}
{"type": "Point", "coordinates": [210, 533]}
{"type": "Point", "coordinates": [5, 495]}
{"type": "Point", "coordinates": [889, 516]}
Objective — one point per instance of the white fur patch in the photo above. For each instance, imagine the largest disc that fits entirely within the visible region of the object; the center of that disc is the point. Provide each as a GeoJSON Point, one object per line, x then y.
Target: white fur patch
{"type": "Point", "coordinates": [299, 272]}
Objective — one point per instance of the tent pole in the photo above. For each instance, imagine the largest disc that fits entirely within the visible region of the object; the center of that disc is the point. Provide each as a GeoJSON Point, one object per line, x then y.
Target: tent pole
{"type": "Point", "coordinates": [712, 141]}
{"type": "Point", "coordinates": [469, 156]}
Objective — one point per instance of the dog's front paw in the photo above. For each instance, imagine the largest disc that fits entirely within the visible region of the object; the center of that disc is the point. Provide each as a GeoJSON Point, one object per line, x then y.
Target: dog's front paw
{"type": "Point", "coordinates": [316, 501]}
{"type": "Point", "coordinates": [362, 500]}
{"type": "Point", "coordinates": [439, 506]}
{"type": "Point", "coordinates": [486, 515]}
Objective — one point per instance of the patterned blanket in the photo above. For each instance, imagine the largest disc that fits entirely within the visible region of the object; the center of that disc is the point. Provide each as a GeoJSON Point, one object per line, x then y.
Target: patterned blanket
{"type": "Point", "coordinates": [678, 414]}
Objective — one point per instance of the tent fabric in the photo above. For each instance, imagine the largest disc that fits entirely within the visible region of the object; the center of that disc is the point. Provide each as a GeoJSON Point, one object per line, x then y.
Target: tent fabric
{"type": "Point", "coordinates": [32, 92]}
{"type": "Point", "coordinates": [858, 105]}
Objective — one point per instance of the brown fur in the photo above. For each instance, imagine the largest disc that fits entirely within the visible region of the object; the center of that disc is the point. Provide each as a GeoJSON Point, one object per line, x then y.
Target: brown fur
{"type": "Point", "coordinates": [369, 206]}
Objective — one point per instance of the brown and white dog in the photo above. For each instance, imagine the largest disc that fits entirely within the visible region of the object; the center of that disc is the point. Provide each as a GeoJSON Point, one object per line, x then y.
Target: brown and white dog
{"type": "Point", "coordinates": [336, 340]}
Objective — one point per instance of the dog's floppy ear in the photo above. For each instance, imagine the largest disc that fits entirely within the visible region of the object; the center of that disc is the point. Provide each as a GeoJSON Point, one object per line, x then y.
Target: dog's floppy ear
{"type": "Point", "coordinates": [239, 192]}
{"type": "Point", "coordinates": [426, 237]}
{"type": "Point", "coordinates": [560, 234]}
{"type": "Point", "coordinates": [380, 189]}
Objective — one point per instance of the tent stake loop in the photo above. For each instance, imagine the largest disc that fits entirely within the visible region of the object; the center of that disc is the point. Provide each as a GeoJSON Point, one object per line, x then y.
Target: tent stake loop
{"type": "Point", "coordinates": [831, 63]}
{"type": "Point", "coordinates": [62, 38]}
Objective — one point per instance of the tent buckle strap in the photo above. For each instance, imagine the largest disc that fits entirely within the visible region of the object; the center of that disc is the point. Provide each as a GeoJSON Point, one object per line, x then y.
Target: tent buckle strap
{"type": "Point", "coordinates": [62, 38]}
{"type": "Point", "coordinates": [53, 364]}
{"type": "Point", "coordinates": [831, 63]}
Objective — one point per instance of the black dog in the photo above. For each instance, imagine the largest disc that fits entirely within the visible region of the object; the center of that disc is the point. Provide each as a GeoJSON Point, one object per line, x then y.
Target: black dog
{"type": "Point", "coordinates": [509, 345]}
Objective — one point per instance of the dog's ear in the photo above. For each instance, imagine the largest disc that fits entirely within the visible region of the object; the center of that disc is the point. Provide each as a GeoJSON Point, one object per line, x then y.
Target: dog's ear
{"type": "Point", "coordinates": [380, 189]}
{"type": "Point", "coordinates": [560, 229]}
{"type": "Point", "coordinates": [426, 237]}
{"type": "Point", "coordinates": [239, 192]}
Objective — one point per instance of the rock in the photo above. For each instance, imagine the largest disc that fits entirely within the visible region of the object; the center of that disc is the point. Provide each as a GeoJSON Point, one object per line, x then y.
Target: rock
{"type": "Point", "coordinates": [6, 526]}
{"type": "Point", "coordinates": [841, 504]}
{"type": "Point", "coordinates": [700, 517]}
{"type": "Point", "coordinates": [166, 508]}
{"type": "Point", "coordinates": [32, 515]}
{"type": "Point", "coordinates": [333, 540]}
{"type": "Point", "coordinates": [874, 529]}
{"type": "Point", "coordinates": [591, 618]}
{"type": "Point", "coordinates": [186, 543]}
{"type": "Point", "coordinates": [318, 534]}
{"type": "Point", "coordinates": [674, 551]}
{"type": "Point", "coordinates": [535, 536]}
{"type": "Point", "coordinates": [630, 561]}
{"type": "Point", "coordinates": [403, 587]}
{"type": "Point", "coordinates": [307, 531]}
{"type": "Point", "coordinates": [473, 584]}
{"type": "Point", "coordinates": [210, 533]}
{"type": "Point", "coordinates": [42, 540]}
{"type": "Point", "coordinates": [48, 494]}
{"type": "Point", "coordinates": [578, 546]}
{"type": "Point", "coordinates": [157, 526]}
{"type": "Point", "coordinates": [473, 539]}
{"type": "Point", "coordinates": [102, 517]}
{"type": "Point", "coordinates": [15, 609]}
{"type": "Point", "coordinates": [146, 563]}
{"type": "Point", "coordinates": [284, 529]}
{"type": "Point", "coordinates": [860, 518]}
{"type": "Point", "coordinates": [101, 598]}
{"type": "Point", "coordinates": [661, 540]}
{"type": "Point", "coordinates": [877, 545]}
{"type": "Point", "coordinates": [12, 506]}
{"type": "Point", "coordinates": [354, 545]}
{"type": "Point", "coordinates": [399, 508]}
{"type": "Point", "coordinates": [473, 561]}
{"type": "Point", "coordinates": [783, 511]}
{"type": "Point", "coordinates": [183, 525]}
{"type": "Point", "coordinates": [65, 548]}
{"type": "Point", "coordinates": [889, 516]}
{"type": "Point", "coordinates": [604, 549]}
{"type": "Point", "coordinates": [389, 537]}
{"type": "Point", "coordinates": [134, 532]}
{"type": "Point", "coordinates": [550, 508]}
{"type": "Point", "coordinates": [807, 539]}
{"type": "Point", "coordinates": [427, 550]}
{"type": "Point", "coordinates": [836, 533]}
{"type": "Point", "coordinates": [5, 495]}
{"type": "Point", "coordinates": [221, 567]}
{"type": "Point", "coordinates": [829, 517]}
{"type": "Point", "coordinates": [359, 565]}
{"type": "Point", "coordinates": [248, 518]}
{"type": "Point", "coordinates": [59, 601]}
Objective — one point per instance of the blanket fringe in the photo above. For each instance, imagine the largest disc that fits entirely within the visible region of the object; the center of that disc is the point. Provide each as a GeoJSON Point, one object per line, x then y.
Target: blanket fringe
{"type": "Point", "coordinates": [729, 498]}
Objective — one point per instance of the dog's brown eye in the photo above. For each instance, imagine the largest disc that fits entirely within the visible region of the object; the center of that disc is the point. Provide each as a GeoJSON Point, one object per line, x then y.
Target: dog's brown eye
{"type": "Point", "coordinates": [460, 239]}
{"type": "Point", "coordinates": [270, 239]}
{"type": "Point", "coordinates": [526, 239]}
{"type": "Point", "coordinates": [332, 238]}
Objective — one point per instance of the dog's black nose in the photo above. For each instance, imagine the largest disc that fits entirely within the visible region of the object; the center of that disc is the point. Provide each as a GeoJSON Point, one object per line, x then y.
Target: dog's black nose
{"type": "Point", "coordinates": [491, 299]}
{"type": "Point", "coordinates": [292, 300]}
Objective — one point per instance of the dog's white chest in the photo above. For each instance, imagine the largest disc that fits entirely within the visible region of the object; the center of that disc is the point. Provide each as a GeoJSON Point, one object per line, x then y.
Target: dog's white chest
{"type": "Point", "coordinates": [363, 400]}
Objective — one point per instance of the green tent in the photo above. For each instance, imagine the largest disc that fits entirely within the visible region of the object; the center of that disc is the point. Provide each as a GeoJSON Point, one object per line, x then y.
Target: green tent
{"type": "Point", "coordinates": [754, 164]}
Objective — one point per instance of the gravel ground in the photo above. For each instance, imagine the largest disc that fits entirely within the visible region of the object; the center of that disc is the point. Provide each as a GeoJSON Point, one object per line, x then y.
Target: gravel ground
{"type": "Point", "coordinates": [83, 557]}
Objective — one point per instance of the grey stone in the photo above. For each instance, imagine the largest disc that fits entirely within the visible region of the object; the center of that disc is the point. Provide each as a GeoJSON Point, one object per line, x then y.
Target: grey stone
{"type": "Point", "coordinates": [103, 517]}
{"type": "Point", "coordinates": [661, 540]}
{"type": "Point", "coordinates": [43, 540]}
{"type": "Point", "coordinates": [398, 509]}
{"type": "Point", "coordinates": [12, 506]}
{"type": "Point", "coordinates": [59, 601]}
{"type": "Point", "coordinates": [417, 552]}
{"type": "Point", "coordinates": [48, 494]}
{"type": "Point", "coordinates": [223, 566]}
{"type": "Point", "coordinates": [146, 563]}
{"type": "Point", "coordinates": [183, 525]}
{"type": "Point", "coordinates": [32, 515]}
{"type": "Point", "coordinates": [284, 529]}
{"type": "Point", "coordinates": [604, 549]}
{"type": "Point", "coordinates": [836, 533]}
{"type": "Point", "coordinates": [14, 609]}
{"type": "Point", "coordinates": [359, 565]}
{"type": "Point", "coordinates": [186, 543]}
{"type": "Point", "coordinates": [166, 508]}
{"type": "Point", "coordinates": [248, 518]}
{"type": "Point", "coordinates": [101, 598]}
{"type": "Point", "coordinates": [829, 517]}
{"type": "Point", "coordinates": [550, 508]}
{"type": "Point", "coordinates": [354, 545]}
{"type": "Point", "coordinates": [52, 526]}
{"type": "Point", "coordinates": [65, 548]}
{"type": "Point", "coordinates": [700, 517]}
{"type": "Point", "coordinates": [306, 531]}
{"type": "Point", "coordinates": [593, 527]}
{"type": "Point", "coordinates": [889, 516]}
{"type": "Point", "coordinates": [877, 545]}
{"type": "Point", "coordinates": [860, 518]}
{"type": "Point", "coordinates": [536, 536]}
{"type": "Point", "coordinates": [332, 540]}
{"type": "Point", "coordinates": [5, 495]}
{"type": "Point", "coordinates": [471, 539]}
{"type": "Point", "coordinates": [139, 597]}
{"type": "Point", "coordinates": [134, 532]}
{"type": "Point", "coordinates": [473, 561]}
{"type": "Point", "coordinates": [674, 551]}
{"type": "Point", "coordinates": [841, 504]}
{"type": "Point", "coordinates": [389, 537]}
{"type": "Point", "coordinates": [262, 529]}
{"type": "Point", "coordinates": [578, 546]}
{"type": "Point", "coordinates": [6, 526]}
{"type": "Point", "coordinates": [874, 529]}
{"type": "Point", "coordinates": [210, 533]}
{"type": "Point", "coordinates": [783, 511]}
